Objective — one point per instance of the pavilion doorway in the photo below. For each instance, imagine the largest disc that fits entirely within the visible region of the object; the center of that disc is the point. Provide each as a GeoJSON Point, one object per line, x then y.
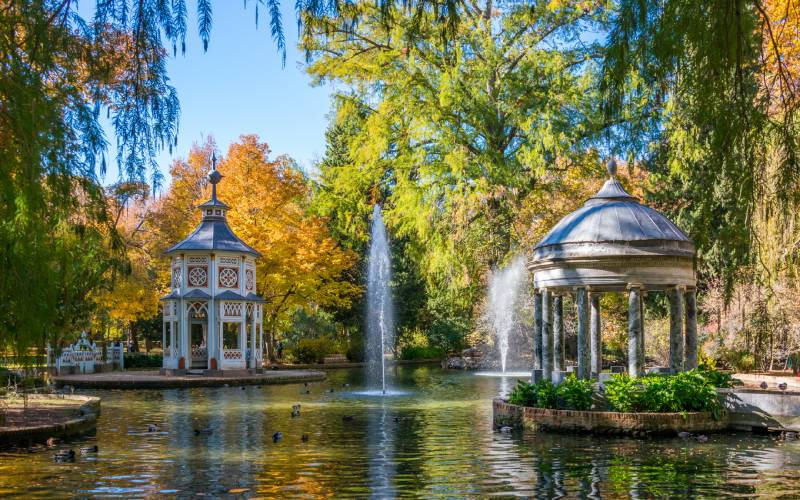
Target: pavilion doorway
{"type": "Point", "coordinates": [199, 339]}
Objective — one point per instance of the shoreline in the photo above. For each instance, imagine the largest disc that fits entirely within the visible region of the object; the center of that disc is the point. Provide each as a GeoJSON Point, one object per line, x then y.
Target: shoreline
{"type": "Point", "coordinates": [54, 415]}
{"type": "Point", "coordinates": [153, 380]}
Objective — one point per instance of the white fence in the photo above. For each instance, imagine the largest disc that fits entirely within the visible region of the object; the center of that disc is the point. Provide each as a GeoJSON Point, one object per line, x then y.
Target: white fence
{"type": "Point", "coordinates": [86, 357]}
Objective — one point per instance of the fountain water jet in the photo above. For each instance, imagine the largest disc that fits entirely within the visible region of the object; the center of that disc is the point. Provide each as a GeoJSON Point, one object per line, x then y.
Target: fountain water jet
{"type": "Point", "coordinates": [505, 288]}
{"type": "Point", "coordinates": [380, 312]}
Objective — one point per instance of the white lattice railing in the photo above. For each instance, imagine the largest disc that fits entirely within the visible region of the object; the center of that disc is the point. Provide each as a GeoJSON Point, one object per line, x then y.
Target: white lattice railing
{"type": "Point", "coordinates": [232, 354]}
{"type": "Point", "coordinates": [84, 355]}
{"type": "Point", "coordinates": [199, 353]}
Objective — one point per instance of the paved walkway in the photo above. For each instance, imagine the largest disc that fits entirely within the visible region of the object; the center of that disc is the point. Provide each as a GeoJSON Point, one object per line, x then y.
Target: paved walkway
{"type": "Point", "coordinates": [47, 416]}
{"type": "Point", "coordinates": [153, 380]}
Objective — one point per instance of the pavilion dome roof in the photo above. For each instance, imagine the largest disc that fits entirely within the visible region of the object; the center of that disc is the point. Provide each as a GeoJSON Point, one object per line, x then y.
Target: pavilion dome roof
{"type": "Point", "coordinates": [213, 233]}
{"type": "Point", "coordinates": [613, 234]}
{"type": "Point", "coordinates": [614, 222]}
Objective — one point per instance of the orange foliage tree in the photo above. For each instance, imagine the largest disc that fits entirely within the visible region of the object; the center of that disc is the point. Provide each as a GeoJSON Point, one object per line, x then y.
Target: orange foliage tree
{"type": "Point", "coordinates": [301, 265]}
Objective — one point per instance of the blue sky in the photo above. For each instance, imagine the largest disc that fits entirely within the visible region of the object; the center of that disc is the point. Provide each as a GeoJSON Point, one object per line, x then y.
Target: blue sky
{"type": "Point", "coordinates": [239, 87]}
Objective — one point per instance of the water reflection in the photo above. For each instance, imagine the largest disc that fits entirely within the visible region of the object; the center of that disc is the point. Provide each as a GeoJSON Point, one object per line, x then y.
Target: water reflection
{"type": "Point", "coordinates": [435, 439]}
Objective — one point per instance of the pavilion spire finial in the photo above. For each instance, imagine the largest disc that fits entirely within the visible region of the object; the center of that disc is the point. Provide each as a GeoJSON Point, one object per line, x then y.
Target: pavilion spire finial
{"type": "Point", "coordinates": [214, 176]}
{"type": "Point", "coordinates": [611, 166]}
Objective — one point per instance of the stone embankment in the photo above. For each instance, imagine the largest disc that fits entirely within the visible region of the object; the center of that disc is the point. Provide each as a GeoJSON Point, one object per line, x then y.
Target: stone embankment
{"type": "Point", "coordinates": [603, 422]}
{"type": "Point", "coordinates": [154, 380]}
{"type": "Point", "coordinates": [46, 416]}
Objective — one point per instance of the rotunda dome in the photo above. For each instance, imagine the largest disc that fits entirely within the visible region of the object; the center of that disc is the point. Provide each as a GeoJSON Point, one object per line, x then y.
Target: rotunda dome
{"type": "Point", "coordinates": [611, 242]}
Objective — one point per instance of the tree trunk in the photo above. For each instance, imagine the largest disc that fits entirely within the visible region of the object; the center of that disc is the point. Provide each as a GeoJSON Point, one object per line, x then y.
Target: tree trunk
{"type": "Point", "coordinates": [133, 341]}
{"type": "Point", "coordinates": [271, 346]}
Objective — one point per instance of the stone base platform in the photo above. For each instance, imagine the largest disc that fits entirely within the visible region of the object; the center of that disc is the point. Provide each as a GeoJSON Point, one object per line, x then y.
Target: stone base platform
{"type": "Point", "coordinates": [603, 422]}
{"type": "Point", "coordinates": [47, 415]}
{"type": "Point", "coordinates": [752, 409]}
{"type": "Point", "coordinates": [154, 380]}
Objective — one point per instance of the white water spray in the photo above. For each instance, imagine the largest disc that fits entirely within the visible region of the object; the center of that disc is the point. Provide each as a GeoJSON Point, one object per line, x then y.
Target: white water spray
{"type": "Point", "coordinates": [505, 288]}
{"type": "Point", "coordinates": [380, 312]}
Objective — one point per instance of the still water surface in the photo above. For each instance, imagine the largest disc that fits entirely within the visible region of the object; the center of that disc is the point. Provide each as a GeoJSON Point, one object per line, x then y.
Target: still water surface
{"type": "Point", "coordinates": [435, 439]}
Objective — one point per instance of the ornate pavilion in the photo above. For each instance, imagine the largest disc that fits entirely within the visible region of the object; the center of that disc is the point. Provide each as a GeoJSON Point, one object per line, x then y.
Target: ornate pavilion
{"type": "Point", "coordinates": [612, 243]}
{"type": "Point", "coordinates": [213, 316]}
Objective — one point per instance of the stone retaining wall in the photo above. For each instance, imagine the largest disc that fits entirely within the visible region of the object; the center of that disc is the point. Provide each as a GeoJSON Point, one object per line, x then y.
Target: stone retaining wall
{"type": "Point", "coordinates": [153, 380]}
{"type": "Point", "coordinates": [79, 416]}
{"type": "Point", "coordinates": [603, 422]}
{"type": "Point", "coordinates": [751, 408]}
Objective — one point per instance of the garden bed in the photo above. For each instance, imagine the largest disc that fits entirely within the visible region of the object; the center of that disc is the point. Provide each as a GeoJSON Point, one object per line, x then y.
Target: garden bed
{"type": "Point", "coordinates": [603, 422]}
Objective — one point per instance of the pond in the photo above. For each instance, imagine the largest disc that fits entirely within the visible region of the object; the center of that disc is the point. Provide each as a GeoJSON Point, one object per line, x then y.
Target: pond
{"type": "Point", "coordinates": [434, 439]}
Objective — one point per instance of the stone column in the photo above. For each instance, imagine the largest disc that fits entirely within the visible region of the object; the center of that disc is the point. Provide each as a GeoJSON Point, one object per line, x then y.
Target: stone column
{"type": "Point", "coordinates": [595, 336]}
{"type": "Point", "coordinates": [642, 351]}
{"type": "Point", "coordinates": [537, 330]}
{"type": "Point", "coordinates": [212, 334]}
{"type": "Point", "coordinates": [547, 336]}
{"type": "Point", "coordinates": [558, 333]}
{"type": "Point", "coordinates": [675, 329]}
{"type": "Point", "coordinates": [584, 358]}
{"type": "Point", "coordinates": [634, 330]}
{"type": "Point", "coordinates": [691, 329]}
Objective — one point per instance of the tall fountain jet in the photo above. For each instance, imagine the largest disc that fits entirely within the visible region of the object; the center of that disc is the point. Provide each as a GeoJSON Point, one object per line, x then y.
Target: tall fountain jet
{"type": "Point", "coordinates": [380, 312]}
{"type": "Point", "coordinates": [505, 289]}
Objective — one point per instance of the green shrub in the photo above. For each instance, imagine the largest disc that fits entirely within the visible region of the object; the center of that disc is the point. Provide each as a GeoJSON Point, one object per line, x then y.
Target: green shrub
{"type": "Point", "coordinates": [421, 352]}
{"type": "Point", "coordinates": [143, 360]}
{"type": "Point", "coordinates": [738, 360]}
{"type": "Point", "coordinates": [523, 394]}
{"type": "Point", "coordinates": [717, 378]}
{"type": "Point", "coordinates": [355, 352]}
{"type": "Point", "coordinates": [312, 350]}
{"type": "Point", "coordinates": [682, 392]}
{"type": "Point", "coordinates": [623, 392]}
{"type": "Point", "coordinates": [7, 377]}
{"type": "Point", "coordinates": [575, 393]}
{"type": "Point", "coordinates": [546, 394]}
{"type": "Point", "coordinates": [543, 394]}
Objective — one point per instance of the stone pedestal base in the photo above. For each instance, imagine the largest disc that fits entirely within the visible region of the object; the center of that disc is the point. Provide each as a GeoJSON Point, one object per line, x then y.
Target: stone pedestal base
{"type": "Point", "coordinates": [172, 372]}
{"type": "Point", "coordinates": [558, 376]}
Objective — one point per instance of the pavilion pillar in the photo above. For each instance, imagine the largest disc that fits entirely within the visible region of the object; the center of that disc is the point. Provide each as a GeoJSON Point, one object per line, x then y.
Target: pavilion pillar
{"type": "Point", "coordinates": [584, 358]}
{"type": "Point", "coordinates": [690, 298]}
{"type": "Point", "coordinates": [547, 338]}
{"type": "Point", "coordinates": [675, 329]}
{"type": "Point", "coordinates": [642, 351]}
{"type": "Point", "coordinates": [595, 339]}
{"type": "Point", "coordinates": [212, 341]}
{"type": "Point", "coordinates": [634, 330]}
{"type": "Point", "coordinates": [252, 338]}
{"type": "Point", "coordinates": [558, 333]}
{"type": "Point", "coordinates": [537, 330]}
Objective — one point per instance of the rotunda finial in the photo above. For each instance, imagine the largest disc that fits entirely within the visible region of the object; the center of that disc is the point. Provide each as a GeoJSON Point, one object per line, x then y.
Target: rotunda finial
{"type": "Point", "coordinates": [611, 166]}
{"type": "Point", "coordinates": [214, 176]}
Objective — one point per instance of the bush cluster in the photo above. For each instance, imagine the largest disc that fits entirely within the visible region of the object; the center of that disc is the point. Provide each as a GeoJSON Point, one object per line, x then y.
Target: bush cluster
{"type": "Point", "coordinates": [355, 351]}
{"type": "Point", "coordinates": [740, 360]}
{"type": "Point", "coordinates": [421, 352]}
{"type": "Point", "coordinates": [572, 394]}
{"type": "Point", "coordinates": [143, 360]}
{"type": "Point", "coordinates": [312, 350]}
{"type": "Point", "coordinates": [681, 392]}
{"type": "Point", "coordinates": [7, 377]}
{"type": "Point", "coordinates": [689, 391]}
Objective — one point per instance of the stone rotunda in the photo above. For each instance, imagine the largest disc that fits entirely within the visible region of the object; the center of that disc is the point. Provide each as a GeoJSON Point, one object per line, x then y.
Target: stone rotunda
{"type": "Point", "coordinates": [612, 243]}
{"type": "Point", "coordinates": [213, 316]}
